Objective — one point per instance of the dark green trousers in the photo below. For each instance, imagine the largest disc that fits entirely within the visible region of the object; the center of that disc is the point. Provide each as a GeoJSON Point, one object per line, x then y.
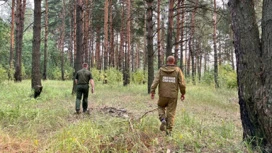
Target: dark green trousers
{"type": "Point", "coordinates": [82, 90]}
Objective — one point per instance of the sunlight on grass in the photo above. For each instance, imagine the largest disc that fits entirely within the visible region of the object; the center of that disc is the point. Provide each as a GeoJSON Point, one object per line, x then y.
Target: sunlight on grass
{"type": "Point", "coordinates": [207, 121]}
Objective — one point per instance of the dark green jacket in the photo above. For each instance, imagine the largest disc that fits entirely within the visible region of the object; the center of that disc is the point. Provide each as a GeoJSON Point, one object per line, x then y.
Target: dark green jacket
{"type": "Point", "coordinates": [83, 76]}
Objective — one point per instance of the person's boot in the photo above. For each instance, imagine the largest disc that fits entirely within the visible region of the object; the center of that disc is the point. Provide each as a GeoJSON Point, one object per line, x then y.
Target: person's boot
{"type": "Point", "coordinates": [163, 125]}
{"type": "Point", "coordinates": [168, 133]}
{"type": "Point", "coordinates": [77, 111]}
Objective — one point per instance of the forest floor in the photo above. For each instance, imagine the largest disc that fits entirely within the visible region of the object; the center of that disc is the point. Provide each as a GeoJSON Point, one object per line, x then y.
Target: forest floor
{"type": "Point", "coordinates": [120, 119]}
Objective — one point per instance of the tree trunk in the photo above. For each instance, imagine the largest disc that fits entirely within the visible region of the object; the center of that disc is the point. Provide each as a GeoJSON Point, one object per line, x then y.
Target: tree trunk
{"type": "Point", "coordinates": [145, 48]}
{"type": "Point", "coordinates": [97, 49]}
{"type": "Point", "coordinates": [36, 44]}
{"type": "Point", "coordinates": [163, 40]}
{"type": "Point", "coordinates": [62, 39]}
{"type": "Point", "coordinates": [254, 70]}
{"type": "Point", "coordinates": [178, 26]}
{"type": "Point", "coordinates": [86, 32]}
{"type": "Point", "coordinates": [159, 34]}
{"type": "Point", "coordinates": [75, 30]}
{"type": "Point", "coordinates": [20, 17]}
{"type": "Point", "coordinates": [45, 40]}
{"type": "Point", "coordinates": [106, 22]}
{"type": "Point", "coordinates": [11, 64]}
{"type": "Point", "coordinates": [215, 47]}
{"type": "Point", "coordinates": [169, 44]}
{"type": "Point", "coordinates": [182, 33]}
{"type": "Point", "coordinates": [111, 36]}
{"type": "Point", "coordinates": [149, 25]}
{"type": "Point", "coordinates": [127, 57]}
{"type": "Point", "coordinates": [79, 34]}
{"type": "Point", "coordinates": [192, 38]}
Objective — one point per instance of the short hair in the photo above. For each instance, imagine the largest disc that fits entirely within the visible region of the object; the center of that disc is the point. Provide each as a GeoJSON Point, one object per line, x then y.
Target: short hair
{"type": "Point", "coordinates": [85, 64]}
{"type": "Point", "coordinates": [171, 59]}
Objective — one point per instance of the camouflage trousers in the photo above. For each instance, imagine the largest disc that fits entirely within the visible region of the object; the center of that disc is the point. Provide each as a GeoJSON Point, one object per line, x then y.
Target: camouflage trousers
{"type": "Point", "coordinates": [82, 90]}
{"type": "Point", "coordinates": [167, 110]}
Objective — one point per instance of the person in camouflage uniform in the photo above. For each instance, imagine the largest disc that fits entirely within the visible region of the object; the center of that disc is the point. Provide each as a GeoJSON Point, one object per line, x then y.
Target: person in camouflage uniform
{"type": "Point", "coordinates": [169, 79]}
{"type": "Point", "coordinates": [82, 79]}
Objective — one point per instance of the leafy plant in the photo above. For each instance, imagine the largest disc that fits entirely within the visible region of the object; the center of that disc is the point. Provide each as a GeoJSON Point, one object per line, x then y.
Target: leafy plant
{"type": "Point", "coordinates": [139, 77]}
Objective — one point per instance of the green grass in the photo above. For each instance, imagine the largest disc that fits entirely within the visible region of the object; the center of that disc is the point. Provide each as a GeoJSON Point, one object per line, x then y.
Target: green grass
{"type": "Point", "coordinates": [207, 121]}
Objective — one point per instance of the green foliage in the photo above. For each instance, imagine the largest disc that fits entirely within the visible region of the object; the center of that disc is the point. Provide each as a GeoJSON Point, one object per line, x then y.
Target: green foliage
{"type": "Point", "coordinates": [96, 74]}
{"type": "Point", "coordinates": [113, 75]}
{"type": "Point", "coordinates": [3, 74]}
{"type": "Point", "coordinates": [55, 73]}
{"type": "Point", "coordinates": [227, 77]}
{"type": "Point", "coordinates": [139, 77]}
{"type": "Point", "coordinates": [4, 42]}
{"type": "Point", "coordinates": [27, 54]}
{"type": "Point", "coordinates": [208, 78]}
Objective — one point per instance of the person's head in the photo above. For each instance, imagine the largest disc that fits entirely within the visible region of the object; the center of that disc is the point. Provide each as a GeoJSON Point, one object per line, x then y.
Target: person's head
{"type": "Point", "coordinates": [170, 60]}
{"type": "Point", "coordinates": [85, 65]}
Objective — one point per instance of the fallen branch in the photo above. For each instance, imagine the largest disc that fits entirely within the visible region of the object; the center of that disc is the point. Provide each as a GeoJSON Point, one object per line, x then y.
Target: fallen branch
{"type": "Point", "coordinates": [146, 114]}
{"type": "Point", "coordinates": [130, 125]}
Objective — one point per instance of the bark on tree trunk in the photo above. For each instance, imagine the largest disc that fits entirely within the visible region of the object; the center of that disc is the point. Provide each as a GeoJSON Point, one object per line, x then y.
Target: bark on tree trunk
{"type": "Point", "coordinates": [105, 45]}
{"type": "Point", "coordinates": [159, 34]}
{"type": "Point", "coordinates": [36, 75]}
{"type": "Point", "coordinates": [62, 39]}
{"type": "Point", "coordinates": [254, 70]}
{"type": "Point", "coordinates": [97, 49]}
{"type": "Point", "coordinates": [149, 37]}
{"type": "Point", "coordinates": [178, 27]}
{"type": "Point", "coordinates": [182, 33]}
{"type": "Point", "coordinates": [169, 43]}
{"type": "Point", "coordinates": [215, 47]}
{"type": "Point", "coordinates": [79, 34]}
{"type": "Point", "coordinates": [111, 36]}
{"type": "Point", "coordinates": [127, 57]}
{"type": "Point", "coordinates": [192, 38]}
{"type": "Point", "coordinates": [11, 58]}
{"type": "Point", "coordinates": [45, 40]}
{"type": "Point", "coordinates": [20, 17]}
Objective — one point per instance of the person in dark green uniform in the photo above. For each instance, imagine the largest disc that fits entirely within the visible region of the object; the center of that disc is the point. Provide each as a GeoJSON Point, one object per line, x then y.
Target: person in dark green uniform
{"type": "Point", "coordinates": [169, 79]}
{"type": "Point", "coordinates": [83, 79]}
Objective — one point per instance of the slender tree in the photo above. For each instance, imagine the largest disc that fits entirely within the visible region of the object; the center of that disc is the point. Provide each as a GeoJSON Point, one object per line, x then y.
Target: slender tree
{"type": "Point", "coordinates": [128, 42]}
{"type": "Point", "coordinates": [215, 47]}
{"type": "Point", "coordinates": [45, 40]}
{"type": "Point", "coordinates": [191, 39]}
{"type": "Point", "coordinates": [62, 38]}
{"type": "Point", "coordinates": [111, 35]}
{"type": "Point", "coordinates": [86, 32]}
{"type": "Point", "coordinates": [20, 17]}
{"type": "Point", "coordinates": [150, 51]}
{"type": "Point", "coordinates": [159, 34]}
{"type": "Point", "coordinates": [178, 27]}
{"type": "Point", "coordinates": [79, 37]}
{"type": "Point", "coordinates": [182, 32]}
{"type": "Point", "coordinates": [11, 57]}
{"type": "Point", "coordinates": [170, 24]}
{"type": "Point", "coordinates": [106, 25]}
{"type": "Point", "coordinates": [36, 44]}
